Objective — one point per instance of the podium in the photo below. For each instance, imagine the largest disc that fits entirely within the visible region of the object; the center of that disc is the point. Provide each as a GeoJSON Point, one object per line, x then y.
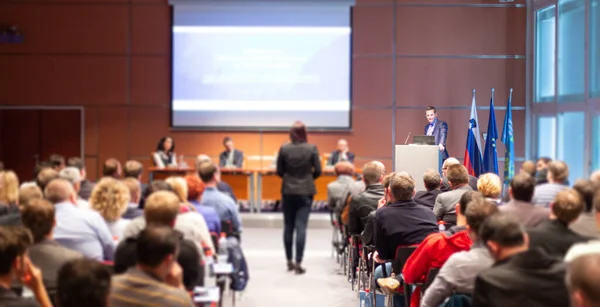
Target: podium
{"type": "Point", "coordinates": [416, 159]}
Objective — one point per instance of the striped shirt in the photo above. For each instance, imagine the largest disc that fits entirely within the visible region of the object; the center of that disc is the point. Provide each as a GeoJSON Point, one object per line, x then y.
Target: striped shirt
{"type": "Point", "coordinates": [138, 288]}
{"type": "Point", "coordinates": [544, 193]}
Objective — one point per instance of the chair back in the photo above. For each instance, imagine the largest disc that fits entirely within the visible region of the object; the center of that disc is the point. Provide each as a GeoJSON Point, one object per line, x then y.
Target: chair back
{"type": "Point", "coordinates": [227, 228]}
{"type": "Point", "coordinates": [403, 252]}
{"type": "Point", "coordinates": [430, 277]}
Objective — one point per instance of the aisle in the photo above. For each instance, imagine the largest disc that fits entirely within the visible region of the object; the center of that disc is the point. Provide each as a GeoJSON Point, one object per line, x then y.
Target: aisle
{"type": "Point", "coordinates": [272, 286]}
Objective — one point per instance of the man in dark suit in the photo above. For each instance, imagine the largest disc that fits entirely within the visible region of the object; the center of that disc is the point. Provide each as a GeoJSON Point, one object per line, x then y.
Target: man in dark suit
{"type": "Point", "coordinates": [432, 182]}
{"type": "Point", "coordinates": [340, 154]}
{"type": "Point", "coordinates": [438, 129]}
{"type": "Point", "coordinates": [230, 157]}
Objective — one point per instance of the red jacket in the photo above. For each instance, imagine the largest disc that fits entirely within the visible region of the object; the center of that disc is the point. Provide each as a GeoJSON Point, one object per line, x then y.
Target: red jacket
{"type": "Point", "coordinates": [432, 253]}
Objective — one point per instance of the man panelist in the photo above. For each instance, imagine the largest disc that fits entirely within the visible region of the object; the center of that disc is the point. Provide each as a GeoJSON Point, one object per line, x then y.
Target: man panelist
{"type": "Point", "coordinates": [438, 129]}
{"type": "Point", "coordinates": [230, 157]}
{"type": "Point", "coordinates": [342, 153]}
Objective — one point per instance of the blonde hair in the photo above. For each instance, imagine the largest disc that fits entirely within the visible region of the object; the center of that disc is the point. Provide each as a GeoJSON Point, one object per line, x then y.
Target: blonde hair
{"type": "Point", "coordinates": [9, 187]}
{"type": "Point", "coordinates": [110, 198]}
{"type": "Point", "coordinates": [489, 185]}
{"type": "Point", "coordinates": [29, 193]}
{"type": "Point", "coordinates": [179, 186]}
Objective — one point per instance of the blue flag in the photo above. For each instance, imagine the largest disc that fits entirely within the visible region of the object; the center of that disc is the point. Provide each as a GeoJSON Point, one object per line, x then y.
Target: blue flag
{"type": "Point", "coordinates": [509, 142]}
{"type": "Point", "coordinates": [490, 156]}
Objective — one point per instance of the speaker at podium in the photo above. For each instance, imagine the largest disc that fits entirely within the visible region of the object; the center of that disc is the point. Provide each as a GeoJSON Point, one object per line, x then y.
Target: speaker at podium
{"type": "Point", "coordinates": [418, 157]}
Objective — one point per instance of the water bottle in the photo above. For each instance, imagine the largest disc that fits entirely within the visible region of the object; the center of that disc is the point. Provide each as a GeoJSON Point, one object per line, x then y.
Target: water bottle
{"type": "Point", "coordinates": [367, 301]}
{"type": "Point", "coordinates": [182, 163]}
{"type": "Point", "coordinates": [441, 226]}
{"type": "Point", "coordinates": [223, 253]}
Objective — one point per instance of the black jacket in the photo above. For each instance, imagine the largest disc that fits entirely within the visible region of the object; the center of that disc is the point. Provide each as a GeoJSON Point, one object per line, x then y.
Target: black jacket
{"type": "Point", "coordinates": [427, 198]}
{"type": "Point", "coordinates": [298, 164]}
{"type": "Point", "coordinates": [238, 158]}
{"type": "Point", "coordinates": [554, 237]}
{"type": "Point", "coordinates": [400, 224]}
{"type": "Point", "coordinates": [188, 258]}
{"type": "Point", "coordinates": [531, 278]}
{"type": "Point", "coordinates": [335, 157]}
{"type": "Point", "coordinates": [361, 205]}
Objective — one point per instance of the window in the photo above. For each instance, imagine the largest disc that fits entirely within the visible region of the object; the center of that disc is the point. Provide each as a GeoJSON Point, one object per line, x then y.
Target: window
{"type": "Point", "coordinates": [594, 48]}
{"type": "Point", "coordinates": [571, 50]}
{"type": "Point", "coordinates": [545, 50]}
{"type": "Point", "coordinates": [596, 143]}
{"type": "Point", "coordinates": [571, 142]}
{"type": "Point", "coordinates": [546, 137]}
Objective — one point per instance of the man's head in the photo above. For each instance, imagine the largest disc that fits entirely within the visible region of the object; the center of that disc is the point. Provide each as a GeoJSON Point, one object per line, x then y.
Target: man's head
{"type": "Point", "coordinates": [373, 172]}
{"type": "Point", "coordinates": [342, 145]}
{"type": "Point", "coordinates": [467, 198]}
{"type": "Point", "coordinates": [161, 208]}
{"type": "Point", "coordinates": [57, 161]}
{"type": "Point", "coordinates": [447, 163]}
{"type": "Point", "coordinates": [133, 169]}
{"type": "Point", "coordinates": [79, 164]}
{"type": "Point", "coordinates": [60, 190]}
{"type": "Point", "coordinates": [528, 167]}
{"type": "Point", "coordinates": [522, 186]}
{"type": "Point", "coordinates": [583, 280]}
{"type": "Point", "coordinates": [14, 242]}
{"type": "Point", "coordinates": [489, 185]}
{"type": "Point", "coordinates": [38, 217]}
{"type": "Point", "coordinates": [503, 235]}
{"type": "Point", "coordinates": [402, 187]}
{"type": "Point", "coordinates": [430, 113]}
{"type": "Point", "coordinates": [478, 210]}
{"type": "Point", "coordinates": [344, 168]}
{"type": "Point", "coordinates": [432, 180]}
{"type": "Point", "coordinates": [45, 176]}
{"type": "Point", "coordinates": [83, 282]}
{"type": "Point", "coordinates": [72, 175]}
{"type": "Point", "coordinates": [29, 193]}
{"type": "Point", "coordinates": [586, 190]}
{"type": "Point", "coordinates": [112, 168]}
{"type": "Point", "coordinates": [135, 189]}
{"type": "Point", "coordinates": [201, 159]}
{"type": "Point", "coordinates": [155, 186]}
{"type": "Point", "coordinates": [542, 163]}
{"type": "Point", "coordinates": [208, 172]}
{"type": "Point", "coordinates": [567, 206]}
{"type": "Point", "coordinates": [228, 143]}
{"type": "Point", "coordinates": [595, 177]}
{"type": "Point", "coordinates": [457, 175]}
{"type": "Point", "coordinates": [157, 248]}
{"type": "Point", "coordinates": [558, 172]}
{"type": "Point", "coordinates": [195, 187]}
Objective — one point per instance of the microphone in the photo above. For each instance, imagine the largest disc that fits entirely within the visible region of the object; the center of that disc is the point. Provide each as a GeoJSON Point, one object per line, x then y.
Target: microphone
{"type": "Point", "coordinates": [407, 137]}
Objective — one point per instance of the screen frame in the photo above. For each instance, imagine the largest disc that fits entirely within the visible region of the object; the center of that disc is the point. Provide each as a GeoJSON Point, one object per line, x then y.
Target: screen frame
{"type": "Point", "coordinates": [263, 128]}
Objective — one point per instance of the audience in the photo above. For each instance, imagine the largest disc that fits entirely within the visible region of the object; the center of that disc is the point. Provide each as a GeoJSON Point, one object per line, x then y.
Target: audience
{"type": "Point", "coordinates": [57, 162]}
{"type": "Point", "coordinates": [528, 167]}
{"type": "Point", "coordinates": [458, 273]}
{"type": "Point", "coordinates": [27, 194]}
{"type": "Point", "coordinates": [585, 225]}
{"type": "Point", "coordinates": [592, 246]}
{"type": "Point", "coordinates": [558, 174]}
{"type": "Point", "coordinates": [222, 186]}
{"type": "Point", "coordinates": [73, 175]}
{"type": "Point", "coordinates": [111, 199]}
{"type": "Point", "coordinates": [84, 282]}
{"type": "Point", "coordinates": [135, 169]}
{"type": "Point", "coordinates": [490, 186]}
{"type": "Point", "coordinates": [79, 229]}
{"type": "Point", "coordinates": [521, 190]}
{"type": "Point", "coordinates": [44, 177]}
{"type": "Point", "coordinates": [445, 203]}
{"type": "Point", "coordinates": [445, 184]}
{"type": "Point", "coordinates": [135, 196]}
{"type": "Point", "coordinates": [112, 168]}
{"type": "Point", "coordinates": [212, 197]}
{"type": "Point", "coordinates": [541, 166]}
{"type": "Point", "coordinates": [195, 188]}
{"type": "Point", "coordinates": [365, 202]}
{"type": "Point", "coordinates": [368, 234]}
{"type": "Point", "coordinates": [343, 186]}
{"type": "Point", "coordinates": [39, 217]}
{"type": "Point", "coordinates": [432, 181]}
{"type": "Point", "coordinates": [520, 276]}
{"type": "Point", "coordinates": [85, 186]}
{"type": "Point", "coordinates": [583, 281]}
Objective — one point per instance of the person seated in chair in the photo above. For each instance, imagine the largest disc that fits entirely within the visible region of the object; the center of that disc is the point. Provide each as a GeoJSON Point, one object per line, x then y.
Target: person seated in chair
{"type": "Point", "coordinates": [432, 181]}
{"type": "Point", "coordinates": [165, 153]}
{"type": "Point", "coordinates": [344, 185]}
{"type": "Point", "coordinates": [342, 153]}
{"type": "Point", "coordinates": [230, 157]}
{"type": "Point", "coordinates": [362, 204]}
{"type": "Point", "coordinates": [445, 203]}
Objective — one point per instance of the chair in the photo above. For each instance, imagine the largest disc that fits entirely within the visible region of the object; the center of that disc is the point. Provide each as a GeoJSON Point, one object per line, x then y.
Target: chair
{"type": "Point", "coordinates": [402, 255]}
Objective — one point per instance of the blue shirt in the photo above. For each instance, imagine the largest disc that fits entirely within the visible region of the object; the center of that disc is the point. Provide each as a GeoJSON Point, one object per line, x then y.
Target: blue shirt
{"type": "Point", "coordinates": [224, 205]}
{"type": "Point", "coordinates": [83, 230]}
{"type": "Point", "coordinates": [213, 221]}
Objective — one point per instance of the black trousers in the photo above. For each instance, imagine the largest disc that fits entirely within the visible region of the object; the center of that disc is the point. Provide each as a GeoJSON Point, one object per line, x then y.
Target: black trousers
{"type": "Point", "coordinates": [296, 210]}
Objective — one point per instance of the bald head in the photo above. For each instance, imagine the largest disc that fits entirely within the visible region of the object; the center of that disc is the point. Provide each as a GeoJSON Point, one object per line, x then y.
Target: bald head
{"type": "Point", "coordinates": [201, 159]}
{"type": "Point", "coordinates": [59, 190]}
{"type": "Point", "coordinates": [595, 177]}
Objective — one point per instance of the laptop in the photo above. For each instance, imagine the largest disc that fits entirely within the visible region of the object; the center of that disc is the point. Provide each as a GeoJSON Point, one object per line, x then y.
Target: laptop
{"type": "Point", "coordinates": [424, 140]}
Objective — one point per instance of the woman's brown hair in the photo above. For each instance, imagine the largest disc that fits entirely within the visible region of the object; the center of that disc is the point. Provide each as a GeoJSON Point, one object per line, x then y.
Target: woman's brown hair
{"type": "Point", "coordinates": [298, 132]}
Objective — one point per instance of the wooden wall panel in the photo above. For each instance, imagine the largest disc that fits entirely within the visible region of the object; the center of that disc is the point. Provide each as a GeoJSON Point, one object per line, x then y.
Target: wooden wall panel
{"type": "Point", "coordinates": [91, 131]}
{"type": "Point", "coordinates": [151, 29]}
{"type": "Point", "coordinates": [150, 80]}
{"type": "Point", "coordinates": [113, 135]}
{"type": "Point", "coordinates": [60, 132]}
{"type": "Point", "coordinates": [91, 168]}
{"type": "Point", "coordinates": [372, 81]}
{"type": "Point", "coordinates": [449, 81]}
{"type": "Point", "coordinates": [148, 125]}
{"type": "Point", "coordinates": [373, 30]}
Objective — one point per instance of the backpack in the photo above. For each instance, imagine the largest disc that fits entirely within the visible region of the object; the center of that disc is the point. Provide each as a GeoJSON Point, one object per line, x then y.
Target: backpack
{"type": "Point", "coordinates": [346, 210]}
{"type": "Point", "coordinates": [240, 275]}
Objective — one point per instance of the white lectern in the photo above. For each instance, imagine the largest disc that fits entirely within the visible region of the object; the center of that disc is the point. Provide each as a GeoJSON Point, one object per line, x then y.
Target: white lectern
{"type": "Point", "coordinates": [416, 159]}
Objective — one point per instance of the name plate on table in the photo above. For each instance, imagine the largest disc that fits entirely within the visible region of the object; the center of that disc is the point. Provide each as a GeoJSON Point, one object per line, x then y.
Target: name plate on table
{"type": "Point", "coordinates": [222, 268]}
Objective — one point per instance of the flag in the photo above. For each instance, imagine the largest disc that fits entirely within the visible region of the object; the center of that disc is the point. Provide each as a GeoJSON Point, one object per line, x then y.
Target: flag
{"type": "Point", "coordinates": [472, 160]}
{"type": "Point", "coordinates": [490, 156]}
{"type": "Point", "coordinates": [509, 142]}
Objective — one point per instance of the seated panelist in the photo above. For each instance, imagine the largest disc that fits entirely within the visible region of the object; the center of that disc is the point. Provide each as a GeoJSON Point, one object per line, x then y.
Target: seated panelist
{"type": "Point", "coordinates": [165, 153]}
{"type": "Point", "coordinates": [340, 154]}
{"type": "Point", "coordinates": [230, 157]}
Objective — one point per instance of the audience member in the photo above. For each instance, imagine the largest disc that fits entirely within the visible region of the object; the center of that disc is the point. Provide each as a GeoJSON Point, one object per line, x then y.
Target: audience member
{"type": "Point", "coordinates": [583, 281]}
{"type": "Point", "coordinates": [368, 234]}
{"type": "Point", "coordinates": [593, 246]}
{"type": "Point", "coordinates": [110, 198]}
{"type": "Point", "coordinates": [45, 253]}
{"type": "Point", "coordinates": [520, 191]}
{"type": "Point", "coordinates": [44, 177]}
{"type": "Point", "coordinates": [554, 235]}
{"type": "Point", "coordinates": [9, 194]}
{"type": "Point", "coordinates": [445, 187]}
{"type": "Point", "coordinates": [79, 229]}
{"type": "Point", "coordinates": [595, 177]}
{"type": "Point", "coordinates": [156, 278]}
{"type": "Point", "coordinates": [365, 202]}
{"type": "Point", "coordinates": [57, 161]}
{"type": "Point", "coordinates": [558, 174]}
{"type": "Point", "coordinates": [585, 225]}
{"type": "Point", "coordinates": [16, 266]}
{"type": "Point", "coordinates": [36, 171]}
{"type": "Point", "coordinates": [490, 186]}
{"type": "Point", "coordinates": [432, 181]}
{"type": "Point", "coordinates": [27, 194]}
{"type": "Point", "coordinates": [458, 273]}
{"type": "Point", "coordinates": [445, 203]}
{"type": "Point", "coordinates": [541, 166]}
{"type": "Point", "coordinates": [222, 186]}
{"type": "Point", "coordinates": [528, 167]}
{"type": "Point", "coordinates": [225, 206]}
{"type": "Point", "coordinates": [520, 276]}
{"type": "Point", "coordinates": [85, 186]}
{"type": "Point", "coordinates": [83, 282]}
{"type": "Point", "coordinates": [112, 168]}
{"type": "Point", "coordinates": [135, 197]}
{"type": "Point", "coordinates": [342, 187]}
{"type": "Point", "coordinates": [195, 189]}
{"type": "Point", "coordinates": [73, 175]}
{"type": "Point", "coordinates": [135, 169]}
{"type": "Point", "coordinates": [162, 208]}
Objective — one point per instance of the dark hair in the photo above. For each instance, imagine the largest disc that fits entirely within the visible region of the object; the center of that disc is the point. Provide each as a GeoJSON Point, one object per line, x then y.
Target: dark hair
{"type": "Point", "coordinates": [76, 162]}
{"type": "Point", "coordinates": [478, 211]}
{"type": "Point", "coordinates": [156, 185]}
{"type": "Point", "coordinates": [161, 144]}
{"type": "Point", "coordinates": [585, 188]}
{"type": "Point", "coordinates": [39, 167]}
{"type": "Point", "coordinates": [14, 242]}
{"type": "Point", "coordinates": [457, 174]}
{"type": "Point", "coordinates": [503, 229]}
{"type": "Point", "coordinates": [546, 160]}
{"type": "Point", "coordinates": [431, 179]}
{"type": "Point", "coordinates": [522, 187]}
{"type": "Point", "coordinates": [227, 139]}
{"type": "Point", "coordinates": [83, 282]}
{"type": "Point", "coordinates": [207, 171]}
{"type": "Point", "coordinates": [298, 133]}
{"type": "Point", "coordinates": [38, 217]}
{"type": "Point", "coordinates": [155, 243]}
{"type": "Point", "coordinates": [431, 108]}
{"type": "Point", "coordinates": [56, 160]}
{"type": "Point", "coordinates": [44, 177]}
{"type": "Point", "coordinates": [110, 167]}
{"type": "Point", "coordinates": [465, 199]}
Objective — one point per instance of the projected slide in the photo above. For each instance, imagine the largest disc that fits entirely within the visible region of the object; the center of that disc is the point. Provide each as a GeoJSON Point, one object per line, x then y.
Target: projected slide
{"type": "Point", "coordinates": [261, 77]}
